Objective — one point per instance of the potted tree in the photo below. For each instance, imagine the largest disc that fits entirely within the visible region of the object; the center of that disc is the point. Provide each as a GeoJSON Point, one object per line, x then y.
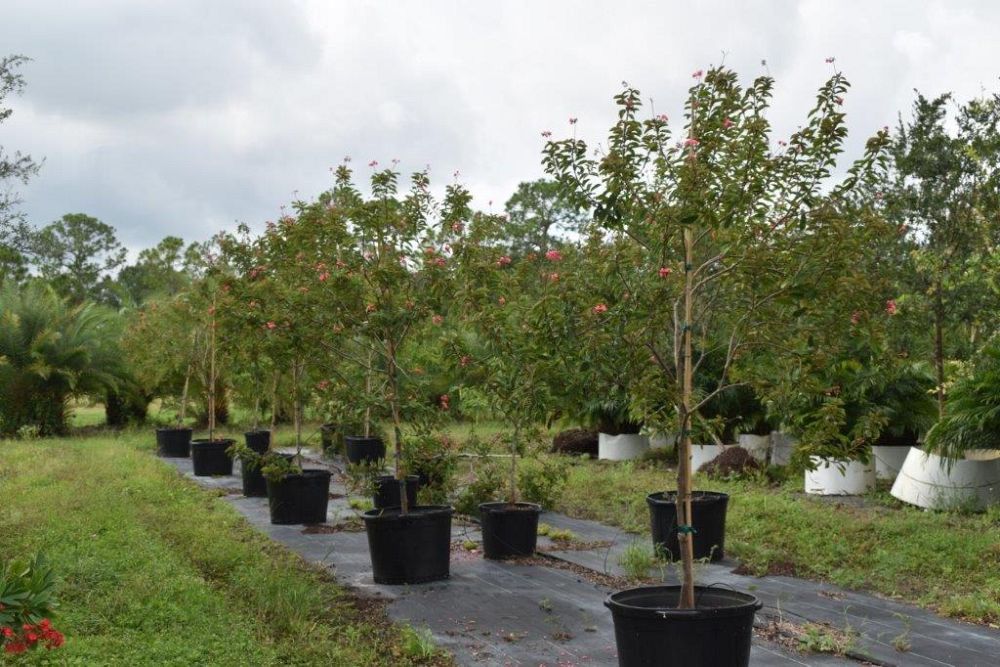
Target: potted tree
{"type": "Point", "coordinates": [733, 231]}
{"type": "Point", "coordinates": [513, 310]}
{"type": "Point", "coordinates": [960, 464]}
{"type": "Point", "coordinates": [401, 273]}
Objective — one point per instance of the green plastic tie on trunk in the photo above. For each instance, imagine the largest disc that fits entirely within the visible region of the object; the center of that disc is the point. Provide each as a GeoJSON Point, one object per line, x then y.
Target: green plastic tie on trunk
{"type": "Point", "coordinates": [686, 530]}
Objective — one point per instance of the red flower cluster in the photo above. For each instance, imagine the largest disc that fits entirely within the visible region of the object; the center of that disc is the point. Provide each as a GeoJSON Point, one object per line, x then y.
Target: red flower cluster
{"type": "Point", "coordinates": [504, 261]}
{"type": "Point", "coordinates": [31, 636]}
{"type": "Point", "coordinates": [890, 306]}
{"type": "Point", "coordinates": [553, 255]}
{"type": "Point", "coordinates": [664, 271]}
{"type": "Point", "coordinates": [599, 308]}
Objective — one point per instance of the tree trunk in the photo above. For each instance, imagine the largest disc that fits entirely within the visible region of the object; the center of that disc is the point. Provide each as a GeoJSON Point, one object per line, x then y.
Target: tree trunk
{"type": "Point", "coordinates": [397, 430]}
{"type": "Point", "coordinates": [939, 344]}
{"type": "Point", "coordinates": [512, 497]}
{"type": "Point", "coordinates": [684, 523]}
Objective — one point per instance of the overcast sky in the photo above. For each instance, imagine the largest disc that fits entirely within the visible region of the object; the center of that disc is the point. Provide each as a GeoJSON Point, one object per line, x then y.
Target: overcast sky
{"type": "Point", "coordinates": [185, 116]}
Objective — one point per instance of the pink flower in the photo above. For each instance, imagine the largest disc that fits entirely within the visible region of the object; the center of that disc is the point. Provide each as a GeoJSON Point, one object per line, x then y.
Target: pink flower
{"type": "Point", "coordinates": [443, 401]}
{"type": "Point", "coordinates": [546, 134]}
{"type": "Point", "coordinates": [437, 320]}
{"type": "Point", "coordinates": [838, 100]}
{"type": "Point", "coordinates": [662, 118]}
{"type": "Point", "coordinates": [726, 124]}
{"type": "Point", "coordinates": [691, 142]}
{"type": "Point", "coordinates": [429, 250]}
{"type": "Point", "coordinates": [502, 301]}
{"type": "Point", "coordinates": [599, 308]}
{"type": "Point", "coordinates": [890, 306]}
{"type": "Point", "coordinates": [440, 261]}
{"type": "Point", "coordinates": [665, 271]}
{"type": "Point", "coordinates": [855, 317]}
{"type": "Point", "coordinates": [572, 121]}
{"type": "Point", "coordinates": [271, 325]}
{"type": "Point", "coordinates": [553, 255]}
{"type": "Point", "coordinates": [322, 385]}
{"type": "Point", "coordinates": [830, 60]}
{"type": "Point", "coordinates": [373, 163]}
{"type": "Point", "coordinates": [554, 277]}
{"type": "Point", "coordinates": [697, 74]}
{"type": "Point", "coordinates": [457, 227]}
{"type": "Point", "coordinates": [504, 261]}
{"type": "Point", "coordinates": [323, 277]}
{"type": "Point", "coordinates": [465, 360]}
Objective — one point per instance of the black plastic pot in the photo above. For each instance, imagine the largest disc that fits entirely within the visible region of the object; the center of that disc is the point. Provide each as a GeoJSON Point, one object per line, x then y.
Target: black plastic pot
{"type": "Point", "coordinates": [173, 442]}
{"type": "Point", "coordinates": [254, 484]}
{"type": "Point", "coordinates": [387, 491]}
{"type": "Point", "coordinates": [650, 630]}
{"type": "Point", "coordinates": [299, 498]}
{"type": "Point", "coordinates": [409, 549]}
{"type": "Point", "coordinates": [210, 458]}
{"type": "Point", "coordinates": [363, 449]}
{"type": "Point", "coordinates": [708, 510]}
{"type": "Point", "coordinates": [509, 529]}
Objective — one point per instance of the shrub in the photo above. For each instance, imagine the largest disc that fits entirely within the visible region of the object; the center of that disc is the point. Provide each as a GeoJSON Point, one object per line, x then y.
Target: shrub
{"type": "Point", "coordinates": [541, 480]}
{"type": "Point", "coordinates": [488, 485]}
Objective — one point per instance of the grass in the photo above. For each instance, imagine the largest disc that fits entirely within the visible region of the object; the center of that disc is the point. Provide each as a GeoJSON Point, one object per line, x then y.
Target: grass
{"type": "Point", "coordinates": [155, 571]}
{"type": "Point", "coordinates": [948, 562]}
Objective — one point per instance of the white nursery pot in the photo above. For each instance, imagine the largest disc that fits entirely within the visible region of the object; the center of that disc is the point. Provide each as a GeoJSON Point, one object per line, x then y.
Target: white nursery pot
{"type": "Point", "coordinates": [834, 477]}
{"type": "Point", "coordinates": [658, 441]}
{"type": "Point", "coordinates": [925, 481]}
{"type": "Point", "coordinates": [888, 460]}
{"type": "Point", "coordinates": [624, 447]}
{"type": "Point", "coordinates": [702, 454]}
{"type": "Point", "coordinates": [757, 445]}
{"type": "Point", "coordinates": [782, 446]}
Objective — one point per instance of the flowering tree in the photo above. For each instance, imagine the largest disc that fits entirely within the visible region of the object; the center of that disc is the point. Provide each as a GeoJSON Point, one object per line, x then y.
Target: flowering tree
{"type": "Point", "coordinates": [743, 224]}
{"type": "Point", "coordinates": [401, 272]}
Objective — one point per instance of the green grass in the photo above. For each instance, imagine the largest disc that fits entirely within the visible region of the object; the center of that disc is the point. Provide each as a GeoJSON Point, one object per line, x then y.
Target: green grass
{"type": "Point", "coordinates": [155, 571]}
{"type": "Point", "coordinates": [944, 561]}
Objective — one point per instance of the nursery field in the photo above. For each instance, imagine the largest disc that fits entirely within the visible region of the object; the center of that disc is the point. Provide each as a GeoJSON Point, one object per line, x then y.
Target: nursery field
{"type": "Point", "coordinates": [946, 561]}
{"type": "Point", "coordinates": [154, 571]}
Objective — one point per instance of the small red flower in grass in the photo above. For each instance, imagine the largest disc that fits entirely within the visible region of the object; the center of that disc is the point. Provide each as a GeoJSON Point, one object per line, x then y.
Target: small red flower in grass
{"type": "Point", "coordinates": [7, 632]}
{"type": "Point", "coordinates": [465, 360]}
{"type": "Point", "coordinates": [502, 301]}
{"type": "Point", "coordinates": [890, 306]}
{"type": "Point", "coordinates": [599, 308]}
{"type": "Point", "coordinates": [15, 647]}
{"type": "Point", "coordinates": [437, 320]}
{"type": "Point", "coordinates": [855, 317]}
{"type": "Point", "coordinates": [271, 325]}
{"type": "Point", "coordinates": [554, 277]}
{"type": "Point", "coordinates": [665, 271]}
{"type": "Point", "coordinates": [504, 261]}
{"type": "Point", "coordinates": [727, 123]}
{"type": "Point", "coordinates": [444, 401]}
{"type": "Point", "coordinates": [323, 277]}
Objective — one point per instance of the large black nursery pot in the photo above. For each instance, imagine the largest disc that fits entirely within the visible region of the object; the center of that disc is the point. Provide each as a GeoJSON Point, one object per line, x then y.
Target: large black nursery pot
{"type": "Point", "coordinates": [708, 510]}
{"type": "Point", "coordinates": [363, 449]}
{"type": "Point", "coordinates": [409, 549]}
{"type": "Point", "coordinates": [387, 491]}
{"type": "Point", "coordinates": [210, 458]}
{"type": "Point", "coordinates": [299, 497]}
{"type": "Point", "coordinates": [651, 631]}
{"type": "Point", "coordinates": [509, 530]}
{"type": "Point", "coordinates": [173, 442]}
{"type": "Point", "coordinates": [254, 484]}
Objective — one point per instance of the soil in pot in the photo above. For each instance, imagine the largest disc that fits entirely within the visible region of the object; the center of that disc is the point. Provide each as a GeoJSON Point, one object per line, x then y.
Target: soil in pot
{"type": "Point", "coordinates": [363, 449]}
{"type": "Point", "coordinates": [509, 530]}
{"type": "Point", "coordinates": [650, 630]}
{"type": "Point", "coordinates": [299, 498]}
{"type": "Point", "coordinates": [173, 442]}
{"type": "Point", "coordinates": [708, 510]}
{"type": "Point", "coordinates": [209, 457]}
{"type": "Point", "coordinates": [254, 485]}
{"type": "Point", "coordinates": [387, 491]}
{"type": "Point", "coordinates": [409, 549]}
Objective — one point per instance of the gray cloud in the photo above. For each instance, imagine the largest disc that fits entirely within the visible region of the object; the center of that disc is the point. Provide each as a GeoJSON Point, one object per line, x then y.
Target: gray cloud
{"type": "Point", "coordinates": [180, 116]}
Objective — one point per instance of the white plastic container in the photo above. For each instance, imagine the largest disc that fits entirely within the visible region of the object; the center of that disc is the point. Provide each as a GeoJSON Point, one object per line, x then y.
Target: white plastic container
{"type": "Point", "coordinates": [836, 477]}
{"type": "Point", "coordinates": [971, 483]}
{"type": "Point", "coordinates": [757, 445]}
{"type": "Point", "coordinates": [658, 441]}
{"type": "Point", "coordinates": [782, 446]}
{"type": "Point", "coordinates": [624, 447]}
{"type": "Point", "coordinates": [888, 460]}
{"type": "Point", "coordinates": [702, 454]}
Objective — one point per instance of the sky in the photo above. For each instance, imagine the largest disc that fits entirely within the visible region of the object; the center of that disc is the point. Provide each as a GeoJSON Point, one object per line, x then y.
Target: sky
{"type": "Point", "coordinates": [186, 117]}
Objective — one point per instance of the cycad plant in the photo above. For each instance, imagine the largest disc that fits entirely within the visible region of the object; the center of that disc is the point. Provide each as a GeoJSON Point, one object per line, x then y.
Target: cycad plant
{"type": "Point", "coordinates": [973, 417]}
{"type": "Point", "coordinates": [51, 351]}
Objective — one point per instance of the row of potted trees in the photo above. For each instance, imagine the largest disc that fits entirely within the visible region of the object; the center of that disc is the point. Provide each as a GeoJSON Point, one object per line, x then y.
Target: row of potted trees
{"type": "Point", "coordinates": [722, 269]}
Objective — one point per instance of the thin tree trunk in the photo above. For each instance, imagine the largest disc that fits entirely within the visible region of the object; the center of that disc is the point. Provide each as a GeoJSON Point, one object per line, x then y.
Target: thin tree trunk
{"type": "Point", "coordinates": [368, 392]}
{"type": "Point", "coordinates": [274, 403]}
{"type": "Point", "coordinates": [297, 407]}
{"type": "Point", "coordinates": [939, 344]}
{"type": "Point", "coordinates": [184, 394]}
{"type": "Point", "coordinates": [211, 377]}
{"type": "Point", "coordinates": [683, 499]}
{"type": "Point", "coordinates": [516, 438]}
{"type": "Point", "coordinates": [397, 430]}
